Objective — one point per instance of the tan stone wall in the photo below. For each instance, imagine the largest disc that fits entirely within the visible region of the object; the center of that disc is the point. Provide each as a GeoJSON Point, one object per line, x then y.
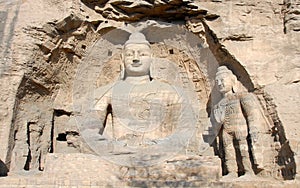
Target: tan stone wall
{"type": "Point", "coordinates": [42, 42]}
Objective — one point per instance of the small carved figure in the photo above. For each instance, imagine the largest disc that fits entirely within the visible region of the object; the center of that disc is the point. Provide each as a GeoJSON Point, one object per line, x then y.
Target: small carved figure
{"type": "Point", "coordinates": [238, 114]}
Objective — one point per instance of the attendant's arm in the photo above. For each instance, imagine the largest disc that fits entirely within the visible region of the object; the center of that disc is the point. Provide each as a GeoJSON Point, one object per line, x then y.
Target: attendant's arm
{"type": "Point", "coordinates": [252, 114]}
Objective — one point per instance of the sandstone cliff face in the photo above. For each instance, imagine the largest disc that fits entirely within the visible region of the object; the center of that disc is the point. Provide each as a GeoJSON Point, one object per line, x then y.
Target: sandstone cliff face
{"type": "Point", "coordinates": [44, 42]}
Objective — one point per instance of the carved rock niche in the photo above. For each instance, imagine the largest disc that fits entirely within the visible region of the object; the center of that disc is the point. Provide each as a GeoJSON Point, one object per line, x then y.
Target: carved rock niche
{"type": "Point", "coordinates": [79, 56]}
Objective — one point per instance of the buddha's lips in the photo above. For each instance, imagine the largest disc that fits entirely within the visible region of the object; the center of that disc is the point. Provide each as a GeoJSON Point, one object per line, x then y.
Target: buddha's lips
{"type": "Point", "coordinates": [136, 64]}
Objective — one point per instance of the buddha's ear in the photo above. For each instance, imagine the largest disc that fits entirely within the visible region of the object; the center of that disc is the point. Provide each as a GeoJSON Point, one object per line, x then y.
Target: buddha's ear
{"type": "Point", "coordinates": [122, 71]}
{"type": "Point", "coordinates": [122, 68]}
{"type": "Point", "coordinates": [151, 71]}
{"type": "Point", "coordinates": [235, 84]}
{"type": "Point", "coordinates": [122, 56]}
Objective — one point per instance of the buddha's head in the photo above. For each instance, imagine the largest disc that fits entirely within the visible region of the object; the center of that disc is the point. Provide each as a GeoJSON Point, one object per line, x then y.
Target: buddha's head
{"type": "Point", "coordinates": [136, 56]}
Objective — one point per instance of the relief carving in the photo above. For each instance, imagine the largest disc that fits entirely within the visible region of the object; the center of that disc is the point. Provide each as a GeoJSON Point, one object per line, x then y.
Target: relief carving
{"type": "Point", "coordinates": [239, 115]}
{"type": "Point", "coordinates": [147, 101]}
{"type": "Point", "coordinates": [144, 113]}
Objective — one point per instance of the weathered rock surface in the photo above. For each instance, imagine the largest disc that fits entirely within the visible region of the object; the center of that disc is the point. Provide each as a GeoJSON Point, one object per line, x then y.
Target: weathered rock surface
{"type": "Point", "coordinates": [43, 43]}
{"type": "Point", "coordinates": [291, 12]}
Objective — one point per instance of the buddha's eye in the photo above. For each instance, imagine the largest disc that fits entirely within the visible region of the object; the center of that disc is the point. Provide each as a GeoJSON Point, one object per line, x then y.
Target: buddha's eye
{"type": "Point", "coordinates": [144, 54]}
{"type": "Point", "coordinates": [128, 54]}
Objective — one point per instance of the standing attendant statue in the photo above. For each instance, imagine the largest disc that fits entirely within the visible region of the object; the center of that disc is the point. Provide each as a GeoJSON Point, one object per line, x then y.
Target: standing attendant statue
{"type": "Point", "coordinates": [238, 114]}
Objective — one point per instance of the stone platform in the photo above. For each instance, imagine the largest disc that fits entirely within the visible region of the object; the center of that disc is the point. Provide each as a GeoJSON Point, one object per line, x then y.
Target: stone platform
{"type": "Point", "coordinates": [86, 170]}
{"type": "Point", "coordinates": [46, 181]}
{"type": "Point", "coordinates": [81, 170]}
{"type": "Point", "coordinates": [88, 166]}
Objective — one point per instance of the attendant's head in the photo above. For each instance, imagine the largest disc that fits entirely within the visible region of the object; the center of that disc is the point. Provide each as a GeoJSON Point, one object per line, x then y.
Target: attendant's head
{"type": "Point", "coordinates": [225, 80]}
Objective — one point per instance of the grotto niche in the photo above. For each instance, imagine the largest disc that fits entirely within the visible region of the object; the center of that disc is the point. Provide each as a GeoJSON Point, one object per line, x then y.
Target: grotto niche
{"type": "Point", "coordinates": [79, 61]}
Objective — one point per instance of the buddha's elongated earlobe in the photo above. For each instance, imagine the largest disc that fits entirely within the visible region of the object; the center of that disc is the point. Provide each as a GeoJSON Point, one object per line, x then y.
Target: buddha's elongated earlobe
{"type": "Point", "coordinates": [122, 72]}
{"type": "Point", "coordinates": [234, 84]}
{"type": "Point", "coordinates": [122, 68]}
{"type": "Point", "coordinates": [151, 70]}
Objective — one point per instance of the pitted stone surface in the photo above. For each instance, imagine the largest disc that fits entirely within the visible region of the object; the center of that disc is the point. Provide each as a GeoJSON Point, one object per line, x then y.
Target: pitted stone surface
{"type": "Point", "coordinates": [45, 42]}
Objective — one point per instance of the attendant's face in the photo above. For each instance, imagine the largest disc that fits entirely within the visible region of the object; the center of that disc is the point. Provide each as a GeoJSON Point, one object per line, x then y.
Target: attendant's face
{"type": "Point", "coordinates": [137, 59]}
{"type": "Point", "coordinates": [224, 83]}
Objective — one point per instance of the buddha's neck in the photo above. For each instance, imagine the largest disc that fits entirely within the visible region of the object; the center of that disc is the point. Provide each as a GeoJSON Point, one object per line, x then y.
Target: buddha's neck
{"type": "Point", "coordinates": [137, 79]}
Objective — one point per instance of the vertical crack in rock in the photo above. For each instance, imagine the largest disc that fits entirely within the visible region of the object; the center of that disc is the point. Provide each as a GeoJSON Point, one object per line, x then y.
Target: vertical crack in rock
{"type": "Point", "coordinates": [29, 157]}
{"type": "Point", "coordinates": [51, 150]}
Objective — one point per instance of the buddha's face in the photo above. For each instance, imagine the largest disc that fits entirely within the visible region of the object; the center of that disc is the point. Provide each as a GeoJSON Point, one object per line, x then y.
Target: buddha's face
{"type": "Point", "coordinates": [137, 59]}
{"type": "Point", "coordinates": [224, 83]}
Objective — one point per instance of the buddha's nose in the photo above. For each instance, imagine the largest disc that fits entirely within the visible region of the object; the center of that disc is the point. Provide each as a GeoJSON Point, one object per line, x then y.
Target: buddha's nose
{"type": "Point", "coordinates": [136, 58]}
{"type": "Point", "coordinates": [135, 61]}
